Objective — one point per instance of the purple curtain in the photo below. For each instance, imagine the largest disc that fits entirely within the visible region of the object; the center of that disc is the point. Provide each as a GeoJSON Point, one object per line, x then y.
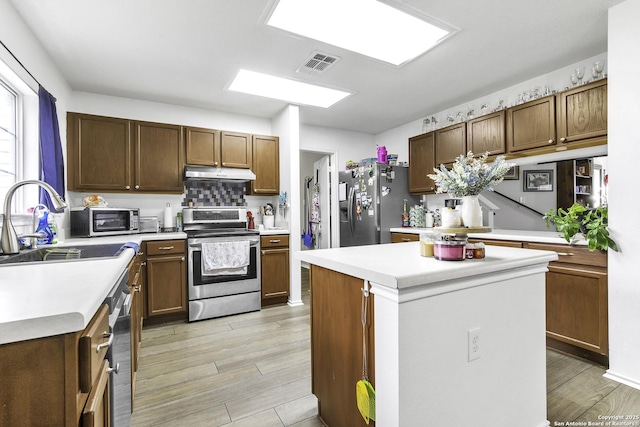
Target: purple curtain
{"type": "Point", "coordinates": [51, 161]}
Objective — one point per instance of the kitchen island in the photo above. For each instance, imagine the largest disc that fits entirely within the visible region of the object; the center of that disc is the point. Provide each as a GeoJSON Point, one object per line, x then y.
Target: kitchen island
{"type": "Point", "coordinates": [451, 343]}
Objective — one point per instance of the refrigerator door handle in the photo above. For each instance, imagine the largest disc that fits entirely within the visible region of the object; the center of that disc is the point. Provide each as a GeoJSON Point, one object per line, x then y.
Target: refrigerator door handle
{"type": "Point", "coordinates": [351, 201]}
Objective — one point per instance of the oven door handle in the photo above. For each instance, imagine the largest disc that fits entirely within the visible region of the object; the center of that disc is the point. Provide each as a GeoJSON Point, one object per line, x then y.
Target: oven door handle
{"type": "Point", "coordinates": [197, 243]}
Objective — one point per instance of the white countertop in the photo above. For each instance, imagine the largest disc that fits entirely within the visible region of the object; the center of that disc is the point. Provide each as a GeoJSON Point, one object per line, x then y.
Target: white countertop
{"type": "Point", "coordinates": [43, 299]}
{"type": "Point", "coordinates": [271, 231]}
{"type": "Point", "coordinates": [498, 234]}
{"type": "Point", "coordinates": [399, 265]}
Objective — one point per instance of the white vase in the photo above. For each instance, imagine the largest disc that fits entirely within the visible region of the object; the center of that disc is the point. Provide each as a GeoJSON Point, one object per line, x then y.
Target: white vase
{"type": "Point", "coordinates": [471, 212]}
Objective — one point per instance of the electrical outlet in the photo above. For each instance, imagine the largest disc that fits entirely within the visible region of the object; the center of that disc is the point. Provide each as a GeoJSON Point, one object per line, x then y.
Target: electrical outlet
{"type": "Point", "coordinates": [474, 344]}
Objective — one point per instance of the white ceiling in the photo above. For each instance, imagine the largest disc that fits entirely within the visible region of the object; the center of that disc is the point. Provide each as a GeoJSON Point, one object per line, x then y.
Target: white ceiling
{"type": "Point", "coordinates": [186, 52]}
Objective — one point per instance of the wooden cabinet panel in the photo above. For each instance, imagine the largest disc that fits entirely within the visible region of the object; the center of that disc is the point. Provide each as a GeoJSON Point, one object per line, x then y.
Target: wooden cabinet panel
{"type": "Point", "coordinates": [580, 255]}
{"type": "Point", "coordinates": [531, 125]}
{"type": "Point", "coordinates": [107, 154]}
{"type": "Point", "coordinates": [266, 165]}
{"type": "Point", "coordinates": [166, 290]}
{"type": "Point", "coordinates": [92, 348]}
{"type": "Point", "coordinates": [97, 410]}
{"type": "Point", "coordinates": [159, 159]}
{"type": "Point", "coordinates": [235, 150]}
{"type": "Point", "coordinates": [98, 153]}
{"type": "Point", "coordinates": [202, 146]}
{"type": "Point", "coordinates": [487, 134]}
{"type": "Point", "coordinates": [422, 160]}
{"type": "Point", "coordinates": [582, 113]}
{"type": "Point", "coordinates": [274, 266]}
{"type": "Point", "coordinates": [505, 243]}
{"type": "Point", "coordinates": [577, 306]}
{"type": "Point", "coordinates": [404, 237]}
{"type": "Point", "coordinates": [336, 345]}
{"type": "Point", "coordinates": [450, 143]}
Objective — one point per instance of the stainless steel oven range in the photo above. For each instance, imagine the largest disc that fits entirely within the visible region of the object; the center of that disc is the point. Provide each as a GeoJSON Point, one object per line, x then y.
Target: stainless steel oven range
{"type": "Point", "coordinates": [223, 262]}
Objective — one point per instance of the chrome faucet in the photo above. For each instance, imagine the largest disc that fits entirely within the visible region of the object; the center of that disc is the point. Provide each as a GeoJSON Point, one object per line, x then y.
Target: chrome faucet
{"type": "Point", "coordinates": [9, 238]}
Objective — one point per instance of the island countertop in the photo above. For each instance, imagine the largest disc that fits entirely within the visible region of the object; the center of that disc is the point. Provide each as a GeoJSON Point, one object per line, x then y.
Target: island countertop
{"type": "Point", "coordinates": [399, 265]}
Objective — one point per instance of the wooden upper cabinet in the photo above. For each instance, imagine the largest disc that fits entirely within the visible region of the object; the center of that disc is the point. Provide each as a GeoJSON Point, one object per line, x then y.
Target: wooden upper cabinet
{"type": "Point", "coordinates": [582, 113]}
{"type": "Point", "coordinates": [531, 125]}
{"type": "Point", "coordinates": [202, 146]}
{"type": "Point", "coordinates": [266, 165]}
{"type": "Point", "coordinates": [159, 159]}
{"type": "Point", "coordinates": [487, 134]}
{"type": "Point", "coordinates": [98, 153]}
{"type": "Point", "coordinates": [422, 160]}
{"type": "Point", "coordinates": [450, 143]}
{"type": "Point", "coordinates": [235, 150]}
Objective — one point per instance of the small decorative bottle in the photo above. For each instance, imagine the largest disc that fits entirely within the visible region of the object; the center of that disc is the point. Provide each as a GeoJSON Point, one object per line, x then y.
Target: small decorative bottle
{"type": "Point", "coordinates": [405, 215]}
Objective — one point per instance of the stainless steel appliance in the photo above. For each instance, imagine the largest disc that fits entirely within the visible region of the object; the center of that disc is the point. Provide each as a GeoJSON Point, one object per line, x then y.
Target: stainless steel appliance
{"type": "Point", "coordinates": [220, 294]}
{"type": "Point", "coordinates": [371, 202]}
{"type": "Point", "coordinates": [149, 224]}
{"type": "Point", "coordinates": [93, 222]}
{"type": "Point", "coordinates": [119, 352]}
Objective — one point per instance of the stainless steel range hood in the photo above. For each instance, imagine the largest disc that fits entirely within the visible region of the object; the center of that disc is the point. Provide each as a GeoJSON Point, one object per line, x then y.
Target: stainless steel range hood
{"type": "Point", "coordinates": [204, 173]}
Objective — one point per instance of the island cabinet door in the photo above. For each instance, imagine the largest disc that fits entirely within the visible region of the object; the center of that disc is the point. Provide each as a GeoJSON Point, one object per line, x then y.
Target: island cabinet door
{"type": "Point", "coordinates": [336, 345]}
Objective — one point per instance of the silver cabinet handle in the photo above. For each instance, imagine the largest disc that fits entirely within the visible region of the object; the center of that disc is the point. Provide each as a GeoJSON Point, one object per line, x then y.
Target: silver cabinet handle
{"type": "Point", "coordinates": [563, 139]}
{"type": "Point", "coordinates": [137, 186]}
{"type": "Point", "coordinates": [165, 248]}
{"type": "Point", "coordinates": [105, 344]}
{"type": "Point", "coordinates": [116, 369]}
{"type": "Point", "coordinates": [182, 259]}
{"type": "Point", "coordinates": [551, 141]}
{"type": "Point", "coordinates": [565, 253]}
{"type": "Point", "coordinates": [274, 241]}
{"type": "Point", "coordinates": [127, 187]}
{"type": "Point", "coordinates": [404, 239]}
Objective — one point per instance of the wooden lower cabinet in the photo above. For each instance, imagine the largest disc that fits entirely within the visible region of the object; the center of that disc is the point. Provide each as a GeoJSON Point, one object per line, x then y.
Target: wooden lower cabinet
{"type": "Point", "coordinates": [336, 345]}
{"type": "Point", "coordinates": [136, 286]}
{"type": "Point", "coordinates": [404, 237]}
{"type": "Point", "coordinates": [274, 267]}
{"type": "Point", "coordinates": [50, 381]}
{"type": "Point", "coordinates": [166, 290]}
{"type": "Point", "coordinates": [577, 304]}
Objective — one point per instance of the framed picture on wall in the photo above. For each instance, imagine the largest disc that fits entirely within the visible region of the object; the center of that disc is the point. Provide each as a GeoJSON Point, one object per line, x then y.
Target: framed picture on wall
{"type": "Point", "coordinates": [513, 173]}
{"type": "Point", "coordinates": [538, 180]}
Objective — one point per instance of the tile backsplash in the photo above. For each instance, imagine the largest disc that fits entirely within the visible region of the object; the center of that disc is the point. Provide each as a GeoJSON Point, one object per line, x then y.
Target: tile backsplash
{"type": "Point", "coordinates": [214, 193]}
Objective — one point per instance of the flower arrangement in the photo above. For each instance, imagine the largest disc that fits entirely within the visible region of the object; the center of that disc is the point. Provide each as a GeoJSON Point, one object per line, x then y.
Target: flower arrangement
{"type": "Point", "coordinates": [470, 176]}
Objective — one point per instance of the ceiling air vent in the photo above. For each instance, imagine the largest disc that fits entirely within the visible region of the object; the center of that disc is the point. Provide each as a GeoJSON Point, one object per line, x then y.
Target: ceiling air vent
{"type": "Point", "coordinates": [317, 63]}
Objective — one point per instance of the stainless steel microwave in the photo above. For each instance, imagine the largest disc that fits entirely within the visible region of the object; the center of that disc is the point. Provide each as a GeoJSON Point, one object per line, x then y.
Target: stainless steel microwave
{"type": "Point", "coordinates": [93, 222]}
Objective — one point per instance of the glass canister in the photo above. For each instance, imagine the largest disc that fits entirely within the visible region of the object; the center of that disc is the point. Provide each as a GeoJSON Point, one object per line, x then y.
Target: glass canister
{"type": "Point", "coordinates": [450, 248]}
{"type": "Point", "coordinates": [426, 244]}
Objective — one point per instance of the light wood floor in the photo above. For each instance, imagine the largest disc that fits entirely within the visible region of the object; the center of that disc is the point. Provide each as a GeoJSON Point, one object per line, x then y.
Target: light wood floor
{"type": "Point", "coordinates": [254, 369]}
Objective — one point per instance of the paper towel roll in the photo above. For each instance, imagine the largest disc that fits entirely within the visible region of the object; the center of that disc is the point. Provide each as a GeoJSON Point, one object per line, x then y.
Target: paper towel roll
{"type": "Point", "coordinates": [168, 217]}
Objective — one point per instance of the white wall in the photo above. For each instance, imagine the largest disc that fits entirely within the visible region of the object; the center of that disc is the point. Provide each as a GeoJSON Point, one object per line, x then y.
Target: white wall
{"type": "Point", "coordinates": [349, 145]}
{"type": "Point", "coordinates": [624, 150]}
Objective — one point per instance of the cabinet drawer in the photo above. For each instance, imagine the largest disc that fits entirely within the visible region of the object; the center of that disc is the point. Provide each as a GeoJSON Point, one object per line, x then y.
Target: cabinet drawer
{"type": "Point", "coordinates": [274, 241]}
{"type": "Point", "coordinates": [165, 247]}
{"type": "Point", "coordinates": [506, 243]}
{"type": "Point", "coordinates": [404, 237]}
{"type": "Point", "coordinates": [92, 348]}
{"type": "Point", "coordinates": [573, 254]}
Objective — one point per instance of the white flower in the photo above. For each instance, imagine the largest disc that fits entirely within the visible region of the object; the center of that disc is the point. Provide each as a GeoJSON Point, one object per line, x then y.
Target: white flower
{"type": "Point", "coordinates": [470, 176]}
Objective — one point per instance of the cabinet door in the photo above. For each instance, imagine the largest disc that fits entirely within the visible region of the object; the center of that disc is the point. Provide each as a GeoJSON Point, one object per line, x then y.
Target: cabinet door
{"type": "Point", "coordinates": [486, 134]}
{"type": "Point", "coordinates": [158, 158]}
{"type": "Point", "coordinates": [96, 412]}
{"type": "Point", "coordinates": [422, 160]}
{"type": "Point", "coordinates": [166, 285]}
{"type": "Point", "coordinates": [404, 237]}
{"type": "Point", "coordinates": [450, 143]}
{"type": "Point", "coordinates": [531, 125]}
{"type": "Point", "coordinates": [582, 113]}
{"type": "Point", "coordinates": [275, 272]}
{"type": "Point", "coordinates": [577, 306]}
{"type": "Point", "coordinates": [98, 153]}
{"type": "Point", "coordinates": [203, 146]}
{"type": "Point", "coordinates": [266, 165]}
{"type": "Point", "coordinates": [235, 150]}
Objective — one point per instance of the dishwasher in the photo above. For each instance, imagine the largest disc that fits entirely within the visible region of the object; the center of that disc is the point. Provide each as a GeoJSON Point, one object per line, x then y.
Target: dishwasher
{"type": "Point", "coordinates": [119, 352]}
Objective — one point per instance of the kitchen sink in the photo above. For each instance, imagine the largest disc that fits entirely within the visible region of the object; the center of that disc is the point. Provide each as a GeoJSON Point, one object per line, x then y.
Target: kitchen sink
{"type": "Point", "coordinates": [63, 254]}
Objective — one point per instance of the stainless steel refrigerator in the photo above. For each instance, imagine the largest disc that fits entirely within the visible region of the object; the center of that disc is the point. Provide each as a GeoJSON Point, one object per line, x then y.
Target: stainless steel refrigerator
{"type": "Point", "coordinates": [371, 202]}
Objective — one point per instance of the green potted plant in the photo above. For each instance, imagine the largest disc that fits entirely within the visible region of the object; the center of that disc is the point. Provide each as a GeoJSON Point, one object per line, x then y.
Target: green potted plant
{"type": "Point", "coordinates": [592, 223]}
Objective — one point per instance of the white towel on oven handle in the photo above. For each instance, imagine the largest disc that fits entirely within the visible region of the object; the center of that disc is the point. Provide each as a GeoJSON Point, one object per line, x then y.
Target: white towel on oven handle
{"type": "Point", "coordinates": [225, 258]}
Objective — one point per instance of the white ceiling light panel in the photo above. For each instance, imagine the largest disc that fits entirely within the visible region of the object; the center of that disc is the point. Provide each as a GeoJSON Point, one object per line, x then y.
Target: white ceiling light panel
{"type": "Point", "coordinates": [368, 27]}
